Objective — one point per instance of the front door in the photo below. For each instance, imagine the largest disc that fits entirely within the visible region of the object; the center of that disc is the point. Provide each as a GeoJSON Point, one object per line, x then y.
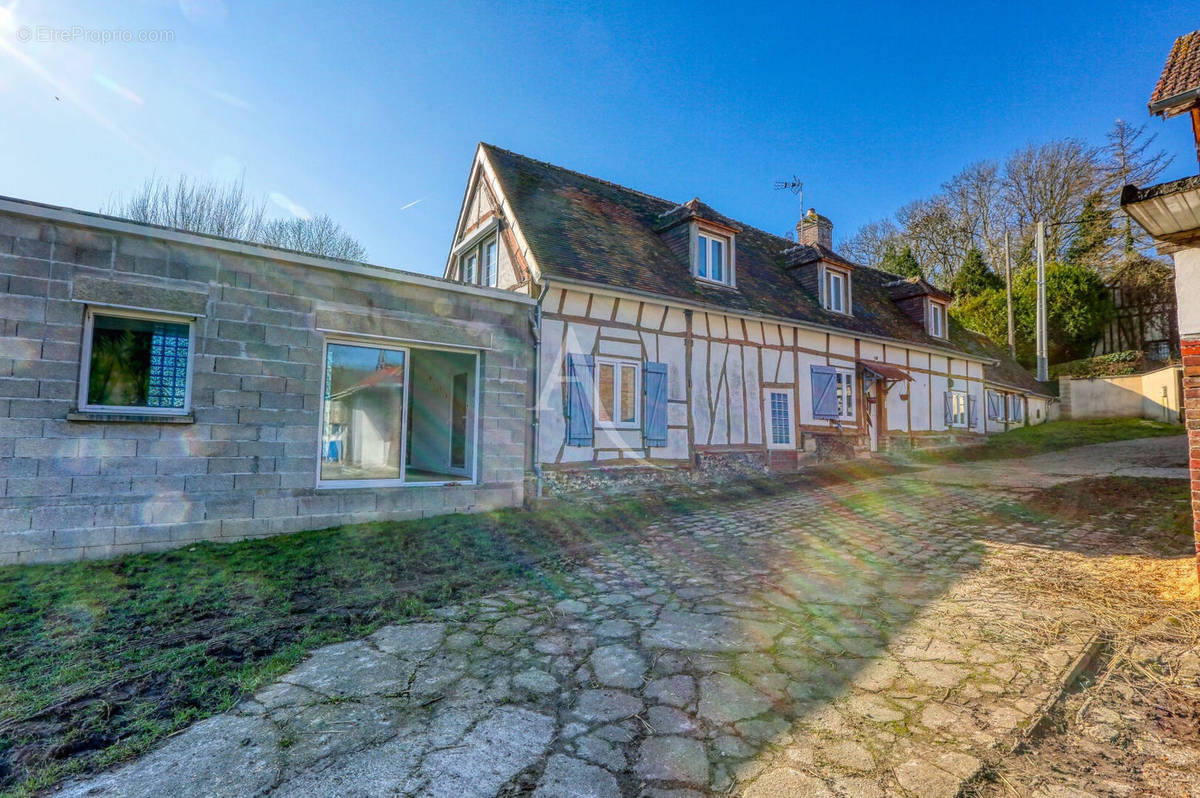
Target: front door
{"type": "Point", "coordinates": [873, 396]}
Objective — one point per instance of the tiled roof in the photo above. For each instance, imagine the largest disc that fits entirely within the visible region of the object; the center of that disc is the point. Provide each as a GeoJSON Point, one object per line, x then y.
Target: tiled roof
{"type": "Point", "coordinates": [914, 286]}
{"type": "Point", "coordinates": [1179, 85]}
{"type": "Point", "coordinates": [694, 209]}
{"type": "Point", "coordinates": [586, 229]}
{"type": "Point", "coordinates": [1005, 371]}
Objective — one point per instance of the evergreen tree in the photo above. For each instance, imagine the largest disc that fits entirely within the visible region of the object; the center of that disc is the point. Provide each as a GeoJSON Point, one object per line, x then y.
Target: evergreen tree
{"type": "Point", "coordinates": [1092, 245]}
{"type": "Point", "coordinates": [974, 276]}
{"type": "Point", "coordinates": [901, 261]}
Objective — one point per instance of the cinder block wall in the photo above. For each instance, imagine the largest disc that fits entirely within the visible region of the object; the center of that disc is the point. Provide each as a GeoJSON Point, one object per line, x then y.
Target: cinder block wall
{"type": "Point", "coordinates": [246, 466]}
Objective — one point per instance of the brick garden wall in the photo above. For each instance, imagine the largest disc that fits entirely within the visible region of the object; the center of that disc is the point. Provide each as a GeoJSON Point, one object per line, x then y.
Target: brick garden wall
{"type": "Point", "coordinates": [246, 466]}
{"type": "Point", "coordinates": [1190, 349]}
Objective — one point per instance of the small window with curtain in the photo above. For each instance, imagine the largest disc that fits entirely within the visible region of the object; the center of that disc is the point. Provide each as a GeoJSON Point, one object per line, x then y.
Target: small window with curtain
{"type": "Point", "coordinates": [136, 362]}
{"type": "Point", "coordinates": [617, 393]}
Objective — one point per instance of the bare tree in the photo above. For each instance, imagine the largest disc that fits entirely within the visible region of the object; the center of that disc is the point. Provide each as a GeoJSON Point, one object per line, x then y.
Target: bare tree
{"type": "Point", "coordinates": [976, 198]}
{"type": "Point", "coordinates": [225, 209]}
{"type": "Point", "coordinates": [317, 235]}
{"type": "Point", "coordinates": [1049, 182]}
{"type": "Point", "coordinates": [1129, 161]}
{"type": "Point", "coordinates": [212, 207]}
{"type": "Point", "coordinates": [870, 243]}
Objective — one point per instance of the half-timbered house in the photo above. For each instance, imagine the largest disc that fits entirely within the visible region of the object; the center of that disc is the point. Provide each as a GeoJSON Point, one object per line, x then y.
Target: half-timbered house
{"type": "Point", "coordinates": [669, 333]}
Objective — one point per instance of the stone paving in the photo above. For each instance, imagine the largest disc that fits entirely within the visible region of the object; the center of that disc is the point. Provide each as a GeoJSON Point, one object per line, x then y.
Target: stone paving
{"type": "Point", "coordinates": [846, 642]}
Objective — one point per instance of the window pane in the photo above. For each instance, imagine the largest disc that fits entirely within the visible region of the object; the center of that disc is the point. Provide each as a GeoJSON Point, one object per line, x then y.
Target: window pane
{"type": "Point", "coordinates": [718, 261]}
{"type": "Point", "coordinates": [489, 264]}
{"type": "Point", "coordinates": [781, 428]}
{"type": "Point", "coordinates": [702, 256]}
{"type": "Point", "coordinates": [138, 363]}
{"type": "Point", "coordinates": [363, 414]}
{"type": "Point", "coordinates": [606, 390]}
{"type": "Point", "coordinates": [629, 393]}
{"type": "Point", "coordinates": [468, 270]}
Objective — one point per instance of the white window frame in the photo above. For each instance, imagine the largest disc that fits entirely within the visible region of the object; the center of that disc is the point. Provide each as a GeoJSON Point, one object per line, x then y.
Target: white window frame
{"type": "Point", "coordinates": [394, 482]}
{"type": "Point", "coordinates": [790, 443]}
{"type": "Point", "coordinates": [844, 379]}
{"type": "Point", "coordinates": [937, 319]}
{"type": "Point", "coordinates": [966, 408]}
{"type": "Point", "coordinates": [844, 295]}
{"type": "Point", "coordinates": [702, 239]}
{"type": "Point", "coordinates": [492, 244]}
{"type": "Point", "coordinates": [618, 378]}
{"type": "Point", "coordinates": [478, 250]}
{"type": "Point", "coordinates": [85, 362]}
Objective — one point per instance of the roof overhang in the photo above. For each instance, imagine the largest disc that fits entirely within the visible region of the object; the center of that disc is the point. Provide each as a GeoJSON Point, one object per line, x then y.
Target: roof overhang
{"type": "Point", "coordinates": [1179, 104]}
{"type": "Point", "coordinates": [885, 371]}
{"type": "Point", "coordinates": [1169, 212]}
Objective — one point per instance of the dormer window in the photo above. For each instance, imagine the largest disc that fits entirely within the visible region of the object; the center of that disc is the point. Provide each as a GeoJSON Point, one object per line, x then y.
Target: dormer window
{"type": "Point", "coordinates": [836, 289]}
{"type": "Point", "coordinates": [937, 319]}
{"type": "Point", "coordinates": [714, 257]}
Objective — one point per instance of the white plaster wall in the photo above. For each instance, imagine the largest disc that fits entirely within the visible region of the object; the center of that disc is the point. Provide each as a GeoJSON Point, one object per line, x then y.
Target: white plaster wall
{"type": "Point", "coordinates": [1187, 291]}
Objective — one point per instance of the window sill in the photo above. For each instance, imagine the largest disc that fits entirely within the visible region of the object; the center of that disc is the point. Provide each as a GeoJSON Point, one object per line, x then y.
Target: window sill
{"type": "Point", "coordinates": [130, 418]}
{"type": "Point", "coordinates": [704, 281]}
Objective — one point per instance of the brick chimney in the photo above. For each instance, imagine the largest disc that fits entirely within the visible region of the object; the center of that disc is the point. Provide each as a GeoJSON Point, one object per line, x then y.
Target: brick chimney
{"type": "Point", "coordinates": [815, 229]}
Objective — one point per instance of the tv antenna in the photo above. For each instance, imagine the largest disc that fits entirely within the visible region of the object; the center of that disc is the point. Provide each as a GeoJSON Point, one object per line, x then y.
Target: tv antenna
{"type": "Point", "coordinates": [796, 186]}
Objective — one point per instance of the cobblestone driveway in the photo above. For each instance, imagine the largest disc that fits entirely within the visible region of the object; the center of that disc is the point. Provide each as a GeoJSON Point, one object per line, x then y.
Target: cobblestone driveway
{"type": "Point", "coordinates": [842, 642]}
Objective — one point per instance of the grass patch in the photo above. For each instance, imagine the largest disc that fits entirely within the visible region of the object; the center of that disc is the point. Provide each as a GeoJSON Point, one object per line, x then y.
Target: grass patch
{"type": "Point", "coordinates": [1050, 437]}
{"type": "Point", "coordinates": [100, 660]}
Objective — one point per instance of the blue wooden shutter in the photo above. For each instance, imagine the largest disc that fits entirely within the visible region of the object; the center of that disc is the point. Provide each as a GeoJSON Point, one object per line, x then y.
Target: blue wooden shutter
{"type": "Point", "coordinates": [949, 398]}
{"type": "Point", "coordinates": [972, 412]}
{"type": "Point", "coordinates": [654, 416]}
{"type": "Point", "coordinates": [824, 392]}
{"type": "Point", "coordinates": [580, 378]}
{"type": "Point", "coordinates": [995, 406]}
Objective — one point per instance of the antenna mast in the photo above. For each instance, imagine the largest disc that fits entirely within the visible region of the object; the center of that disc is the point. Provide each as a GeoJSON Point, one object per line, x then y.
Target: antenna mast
{"type": "Point", "coordinates": [796, 186]}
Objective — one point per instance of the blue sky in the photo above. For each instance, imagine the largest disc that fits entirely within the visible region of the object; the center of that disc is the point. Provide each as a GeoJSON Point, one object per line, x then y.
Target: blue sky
{"type": "Point", "coordinates": [371, 111]}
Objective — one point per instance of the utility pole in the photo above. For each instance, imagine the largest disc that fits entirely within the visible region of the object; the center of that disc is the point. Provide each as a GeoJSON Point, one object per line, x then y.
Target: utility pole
{"type": "Point", "coordinates": [1012, 340]}
{"type": "Point", "coordinates": [1042, 370]}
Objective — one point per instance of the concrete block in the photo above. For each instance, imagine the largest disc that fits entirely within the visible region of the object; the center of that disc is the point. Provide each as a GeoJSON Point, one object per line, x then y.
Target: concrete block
{"type": "Point", "coordinates": [79, 538]}
{"type": "Point", "coordinates": [38, 486]}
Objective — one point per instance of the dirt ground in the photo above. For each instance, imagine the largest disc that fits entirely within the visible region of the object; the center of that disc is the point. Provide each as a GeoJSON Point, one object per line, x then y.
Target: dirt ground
{"type": "Point", "coordinates": [1131, 725]}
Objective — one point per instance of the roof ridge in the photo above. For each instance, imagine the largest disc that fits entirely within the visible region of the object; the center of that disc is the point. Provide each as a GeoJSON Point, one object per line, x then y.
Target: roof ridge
{"type": "Point", "coordinates": [581, 174]}
{"type": "Point", "coordinates": [674, 205]}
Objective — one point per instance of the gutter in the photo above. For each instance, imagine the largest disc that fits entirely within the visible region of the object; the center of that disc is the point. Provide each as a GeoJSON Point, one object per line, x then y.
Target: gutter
{"type": "Point", "coordinates": [670, 300]}
{"type": "Point", "coordinates": [113, 224]}
{"type": "Point", "coordinates": [1164, 105]}
{"type": "Point", "coordinates": [535, 325]}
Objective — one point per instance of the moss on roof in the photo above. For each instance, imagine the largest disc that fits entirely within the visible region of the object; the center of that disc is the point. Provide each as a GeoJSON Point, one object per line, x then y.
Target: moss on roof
{"type": "Point", "coordinates": [587, 229]}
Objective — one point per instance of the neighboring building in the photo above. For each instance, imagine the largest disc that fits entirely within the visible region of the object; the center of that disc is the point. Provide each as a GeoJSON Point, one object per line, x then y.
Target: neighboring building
{"type": "Point", "coordinates": [1170, 212]}
{"type": "Point", "coordinates": [159, 387]}
{"type": "Point", "coordinates": [671, 334]}
{"type": "Point", "coordinates": [1145, 320]}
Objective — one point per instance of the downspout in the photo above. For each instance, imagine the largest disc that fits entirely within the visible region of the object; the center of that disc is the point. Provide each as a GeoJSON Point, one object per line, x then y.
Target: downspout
{"type": "Point", "coordinates": [535, 324]}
